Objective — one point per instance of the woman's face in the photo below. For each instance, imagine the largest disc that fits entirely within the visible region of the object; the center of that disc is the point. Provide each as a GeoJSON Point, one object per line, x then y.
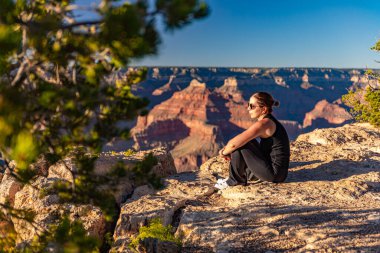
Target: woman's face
{"type": "Point", "coordinates": [255, 111]}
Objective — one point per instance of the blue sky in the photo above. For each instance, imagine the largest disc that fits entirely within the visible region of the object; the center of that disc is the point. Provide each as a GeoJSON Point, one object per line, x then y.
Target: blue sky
{"type": "Point", "coordinates": [287, 33]}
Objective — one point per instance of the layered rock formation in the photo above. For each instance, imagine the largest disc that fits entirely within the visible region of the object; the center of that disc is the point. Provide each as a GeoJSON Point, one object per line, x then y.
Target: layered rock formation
{"type": "Point", "coordinates": [180, 124]}
{"type": "Point", "coordinates": [188, 104]}
{"type": "Point", "coordinates": [330, 201]}
{"type": "Point", "coordinates": [325, 114]}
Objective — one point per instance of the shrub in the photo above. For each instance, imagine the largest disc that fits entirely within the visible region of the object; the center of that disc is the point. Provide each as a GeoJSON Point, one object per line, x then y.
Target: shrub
{"type": "Point", "coordinates": [365, 104]}
{"type": "Point", "coordinates": [156, 230]}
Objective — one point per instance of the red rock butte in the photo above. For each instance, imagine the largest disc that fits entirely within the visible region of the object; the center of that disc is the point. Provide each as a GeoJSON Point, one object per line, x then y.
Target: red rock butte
{"type": "Point", "coordinates": [195, 111]}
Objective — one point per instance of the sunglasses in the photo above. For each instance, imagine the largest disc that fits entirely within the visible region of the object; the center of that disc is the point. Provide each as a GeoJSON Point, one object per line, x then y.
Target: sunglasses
{"type": "Point", "coordinates": [252, 106]}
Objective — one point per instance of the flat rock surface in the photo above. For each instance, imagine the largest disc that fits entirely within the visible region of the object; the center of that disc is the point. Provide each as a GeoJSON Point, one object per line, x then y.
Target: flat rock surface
{"type": "Point", "coordinates": [329, 203]}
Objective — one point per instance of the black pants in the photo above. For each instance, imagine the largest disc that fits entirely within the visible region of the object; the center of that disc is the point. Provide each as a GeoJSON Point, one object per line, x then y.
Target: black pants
{"type": "Point", "coordinates": [249, 162]}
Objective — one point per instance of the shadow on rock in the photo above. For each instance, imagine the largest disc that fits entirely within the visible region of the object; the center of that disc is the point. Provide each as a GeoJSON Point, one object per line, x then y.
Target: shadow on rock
{"type": "Point", "coordinates": [280, 229]}
{"type": "Point", "coordinates": [303, 163]}
{"type": "Point", "coordinates": [186, 176]}
{"type": "Point", "coordinates": [333, 171]}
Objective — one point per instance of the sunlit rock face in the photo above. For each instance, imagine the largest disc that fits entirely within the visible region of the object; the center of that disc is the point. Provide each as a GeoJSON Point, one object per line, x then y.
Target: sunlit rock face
{"type": "Point", "coordinates": [181, 124]}
{"type": "Point", "coordinates": [325, 114]}
{"type": "Point", "coordinates": [195, 111]}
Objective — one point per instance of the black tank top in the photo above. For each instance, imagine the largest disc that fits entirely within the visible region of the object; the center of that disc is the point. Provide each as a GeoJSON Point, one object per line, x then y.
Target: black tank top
{"type": "Point", "coordinates": [277, 150]}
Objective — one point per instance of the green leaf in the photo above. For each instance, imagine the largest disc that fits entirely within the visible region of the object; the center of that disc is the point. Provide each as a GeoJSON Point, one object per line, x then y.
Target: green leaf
{"type": "Point", "coordinates": [155, 229]}
{"type": "Point", "coordinates": [24, 150]}
{"type": "Point", "coordinates": [47, 97]}
{"type": "Point", "coordinates": [10, 39]}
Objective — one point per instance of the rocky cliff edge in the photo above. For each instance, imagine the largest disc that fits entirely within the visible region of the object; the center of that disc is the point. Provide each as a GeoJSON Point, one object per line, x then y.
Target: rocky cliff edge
{"type": "Point", "coordinates": [329, 203]}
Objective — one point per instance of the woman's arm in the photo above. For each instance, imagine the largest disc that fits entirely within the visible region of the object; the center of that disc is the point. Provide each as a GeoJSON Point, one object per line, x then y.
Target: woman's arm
{"type": "Point", "coordinates": [257, 129]}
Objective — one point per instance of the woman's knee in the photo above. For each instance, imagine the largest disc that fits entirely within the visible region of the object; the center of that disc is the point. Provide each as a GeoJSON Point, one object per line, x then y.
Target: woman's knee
{"type": "Point", "coordinates": [236, 154]}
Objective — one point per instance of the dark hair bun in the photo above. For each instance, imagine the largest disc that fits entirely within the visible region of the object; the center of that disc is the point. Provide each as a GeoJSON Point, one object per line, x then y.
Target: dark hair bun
{"type": "Point", "coordinates": [276, 103]}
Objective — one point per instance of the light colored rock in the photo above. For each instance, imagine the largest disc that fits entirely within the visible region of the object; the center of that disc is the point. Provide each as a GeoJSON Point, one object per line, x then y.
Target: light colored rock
{"type": "Point", "coordinates": [136, 214]}
{"type": "Point", "coordinates": [41, 166]}
{"type": "Point", "coordinates": [374, 218]}
{"type": "Point", "coordinates": [327, 112]}
{"type": "Point", "coordinates": [215, 166]}
{"type": "Point", "coordinates": [8, 188]}
{"type": "Point", "coordinates": [268, 231]}
{"type": "Point", "coordinates": [155, 245]}
{"type": "Point", "coordinates": [107, 160]}
{"type": "Point", "coordinates": [162, 204]}
{"type": "Point", "coordinates": [47, 207]}
{"type": "Point", "coordinates": [280, 81]}
{"type": "Point", "coordinates": [62, 170]}
{"type": "Point", "coordinates": [142, 191]}
{"type": "Point", "coordinates": [309, 236]}
{"type": "Point", "coordinates": [47, 210]}
{"type": "Point", "coordinates": [12, 164]}
{"type": "Point", "coordinates": [347, 134]}
{"type": "Point", "coordinates": [330, 201]}
{"type": "Point", "coordinates": [91, 218]}
{"type": "Point", "coordinates": [165, 166]}
{"type": "Point", "coordinates": [164, 88]}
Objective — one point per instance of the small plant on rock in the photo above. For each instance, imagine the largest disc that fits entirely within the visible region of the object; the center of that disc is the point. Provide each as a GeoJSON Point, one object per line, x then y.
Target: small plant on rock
{"type": "Point", "coordinates": [365, 104]}
{"type": "Point", "coordinates": [154, 230]}
{"type": "Point", "coordinates": [129, 152]}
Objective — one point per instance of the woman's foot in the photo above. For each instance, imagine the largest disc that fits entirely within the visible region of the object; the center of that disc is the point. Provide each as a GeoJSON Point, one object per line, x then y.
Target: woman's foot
{"type": "Point", "coordinates": [220, 180]}
{"type": "Point", "coordinates": [221, 184]}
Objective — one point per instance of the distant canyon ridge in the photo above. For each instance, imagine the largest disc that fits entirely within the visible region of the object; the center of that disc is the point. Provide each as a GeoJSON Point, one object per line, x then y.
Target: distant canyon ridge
{"type": "Point", "coordinates": [193, 111]}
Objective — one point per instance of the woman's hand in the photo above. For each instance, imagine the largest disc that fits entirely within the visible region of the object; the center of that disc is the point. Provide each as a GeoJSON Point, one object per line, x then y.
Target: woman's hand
{"type": "Point", "coordinates": [226, 157]}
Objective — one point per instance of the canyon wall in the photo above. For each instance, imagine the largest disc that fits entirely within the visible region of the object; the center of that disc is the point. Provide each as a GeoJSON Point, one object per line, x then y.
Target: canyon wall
{"type": "Point", "coordinates": [195, 111]}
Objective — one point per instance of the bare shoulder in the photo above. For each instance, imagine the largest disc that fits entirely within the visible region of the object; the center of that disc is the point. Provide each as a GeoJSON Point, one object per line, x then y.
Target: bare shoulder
{"type": "Point", "coordinates": [268, 127]}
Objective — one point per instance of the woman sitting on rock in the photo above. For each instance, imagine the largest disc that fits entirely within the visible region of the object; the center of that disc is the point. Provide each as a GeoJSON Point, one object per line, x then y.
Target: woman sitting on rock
{"type": "Point", "coordinates": [251, 160]}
